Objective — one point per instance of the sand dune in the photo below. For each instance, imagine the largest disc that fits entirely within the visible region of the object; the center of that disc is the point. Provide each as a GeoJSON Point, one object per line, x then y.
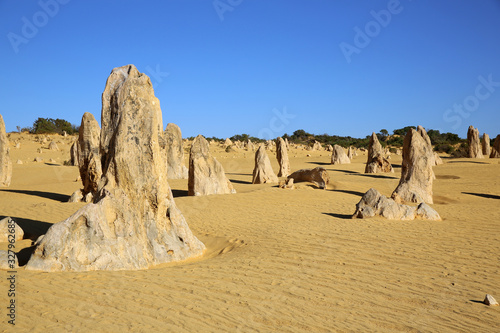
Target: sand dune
{"type": "Point", "coordinates": [277, 260]}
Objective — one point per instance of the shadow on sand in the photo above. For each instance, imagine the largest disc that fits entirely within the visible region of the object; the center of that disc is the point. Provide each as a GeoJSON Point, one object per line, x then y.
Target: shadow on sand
{"type": "Point", "coordinates": [47, 195]}
{"type": "Point", "coordinates": [320, 163]}
{"type": "Point", "coordinates": [179, 193]}
{"type": "Point", "coordinates": [32, 229]}
{"type": "Point", "coordinates": [239, 181]}
{"type": "Point", "coordinates": [475, 162]}
{"type": "Point", "coordinates": [339, 216]}
{"type": "Point", "coordinates": [483, 195]}
{"type": "Point", "coordinates": [360, 194]}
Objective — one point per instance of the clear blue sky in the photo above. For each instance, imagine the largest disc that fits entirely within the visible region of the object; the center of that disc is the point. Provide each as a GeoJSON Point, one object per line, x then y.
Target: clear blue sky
{"type": "Point", "coordinates": [260, 67]}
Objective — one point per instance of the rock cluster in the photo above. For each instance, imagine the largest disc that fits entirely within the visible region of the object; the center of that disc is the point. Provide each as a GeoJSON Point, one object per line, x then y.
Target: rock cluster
{"type": "Point", "coordinates": [5, 162]}
{"type": "Point", "coordinates": [263, 171]}
{"type": "Point", "coordinates": [175, 153]}
{"type": "Point", "coordinates": [339, 156]}
{"type": "Point", "coordinates": [375, 204]}
{"type": "Point", "coordinates": [376, 162]}
{"type": "Point", "coordinates": [206, 174]}
{"type": "Point", "coordinates": [133, 222]}
{"type": "Point", "coordinates": [282, 157]}
{"type": "Point", "coordinates": [474, 150]}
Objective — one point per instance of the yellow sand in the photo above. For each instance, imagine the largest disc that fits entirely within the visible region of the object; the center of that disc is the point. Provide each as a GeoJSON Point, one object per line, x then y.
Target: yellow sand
{"type": "Point", "coordinates": [277, 260]}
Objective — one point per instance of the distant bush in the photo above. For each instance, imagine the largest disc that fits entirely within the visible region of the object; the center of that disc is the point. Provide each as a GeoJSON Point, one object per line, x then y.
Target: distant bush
{"type": "Point", "coordinates": [49, 125]}
{"type": "Point", "coordinates": [403, 131]}
{"type": "Point", "coordinates": [444, 148]}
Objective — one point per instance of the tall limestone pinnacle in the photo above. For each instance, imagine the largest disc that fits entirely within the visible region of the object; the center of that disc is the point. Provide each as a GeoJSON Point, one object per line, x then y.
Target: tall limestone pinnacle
{"type": "Point", "coordinates": [5, 162]}
{"type": "Point", "coordinates": [133, 222]}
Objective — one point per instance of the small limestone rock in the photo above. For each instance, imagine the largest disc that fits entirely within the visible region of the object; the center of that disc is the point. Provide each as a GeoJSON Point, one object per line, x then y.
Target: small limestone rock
{"type": "Point", "coordinates": [6, 226]}
{"type": "Point", "coordinates": [437, 159]}
{"type": "Point", "coordinates": [489, 300]}
{"type": "Point", "coordinates": [38, 159]}
{"type": "Point", "coordinates": [288, 184]}
{"type": "Point", "coordinates": [339, 156]}
{"type": "Point", "coordinates": [206, 174]}
{"type": "Point", "coordinates": [53, 146]}
{"type": "Point", "coordinates": [249, 145]}
{"type": "Point", "coordinates": [263, 171]}
{"type": "Point", "coordinates": [77, 196]}
{"type": "Point", "coordinates": [19, 162]}
{"type": "Point", "coordinates": [318, 176]}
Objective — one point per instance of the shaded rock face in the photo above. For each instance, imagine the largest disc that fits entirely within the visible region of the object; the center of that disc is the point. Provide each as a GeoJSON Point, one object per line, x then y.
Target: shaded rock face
{"type": "Point", "coordinates": [495, 150]}
{"type": "Point", "coordinates": [376, 162]}
{"type": "Point", "coordinates": [263, 171]}
{"type": "Point", "coordinates": [133, 222]}
{"type": "Point", "coordinates": [175, 153]}
{"type": "Point", "coordinates": [417, 176]}
{"type": "Point", "coordinates": [318, 176]}
{"type": "Point", "coordinates": [89, 157]}
{"type": "Point", "coordinates": [375, 204]}
{"type": "Point", "coordinates": [206, 174]}
{"type": "Point", "coordinates": [485, 145]}
{"type": "Point", "coordinates": [425, 136]}
{"type": "Point", "coordinates": [339, 156]}
{"type": "Point", "coordinates": [74, 153]}
{"type": "Point", "coordinates": [475, 150]}
{"type": "Point", "coordinates": [5, 161]}
{"type": "Point", "coordinates": [282, 157]}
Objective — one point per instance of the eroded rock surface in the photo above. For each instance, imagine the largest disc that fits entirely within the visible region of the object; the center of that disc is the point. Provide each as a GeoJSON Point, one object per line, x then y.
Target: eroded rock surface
{"type": "Point", "coordinates": [282, 157]}
{"type": "Point", "coordinates": [175, 153]}
{"type": "Point", "coordinates": [474, 150]}
{"type": "Point", "coordinates": [339, 156]}
{"type": "Point", "coordinates": [376, 162]}
{"type": "Point", "coordinates": [375, 204]}
{"type": "Point", "coordinates": [263, 171]}
{"type": "Point", "coordinates": [417, 176]}
{"type": "Point", "coordinates": [206, 174]}
{"type": "Point", "coordinates": [319, 176]}
{"type": "Point", "coordinates": [133, 222]}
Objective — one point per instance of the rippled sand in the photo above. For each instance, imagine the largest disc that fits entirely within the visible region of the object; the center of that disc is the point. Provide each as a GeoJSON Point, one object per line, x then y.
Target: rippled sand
{"type": "Point", "coordinates": [277, 260]}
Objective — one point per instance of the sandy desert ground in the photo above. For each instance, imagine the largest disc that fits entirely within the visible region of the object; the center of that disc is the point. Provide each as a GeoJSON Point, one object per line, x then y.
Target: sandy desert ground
{"type": "Point", "coordinates": [277, 260]}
